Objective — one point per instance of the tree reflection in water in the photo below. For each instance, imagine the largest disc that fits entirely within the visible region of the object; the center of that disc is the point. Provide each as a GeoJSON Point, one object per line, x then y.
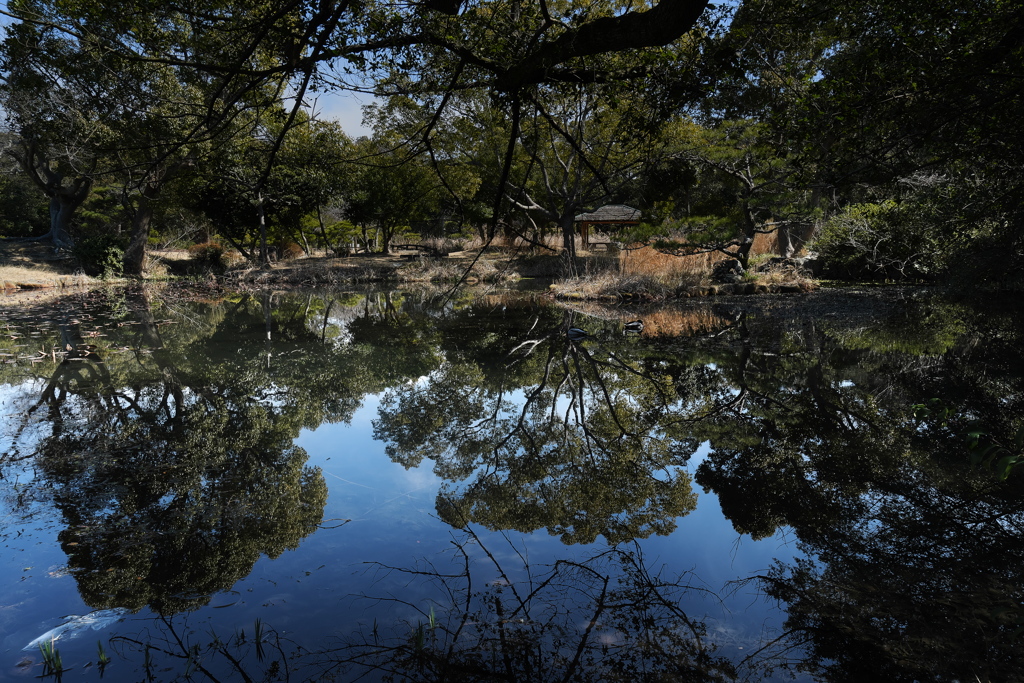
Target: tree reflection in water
{"type": "Point", "coordinates": [172, 476]}
{"type": "Point", "coordinates": [174, 467]}
{"type": "Point", "coordinates": [604, 617]}
{"type": "Point", "coordinates": [914, 547]}
{"type": "Point", "coordinates": [556, 433]}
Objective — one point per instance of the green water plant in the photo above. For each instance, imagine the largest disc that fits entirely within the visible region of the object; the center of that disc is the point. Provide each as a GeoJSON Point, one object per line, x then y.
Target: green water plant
{"type": "Point", "coordinates": [258, 636]}
{"type": "Point", "coordinates": [52, 664]}
{"type": "Point", "coordinates": [101, 655]}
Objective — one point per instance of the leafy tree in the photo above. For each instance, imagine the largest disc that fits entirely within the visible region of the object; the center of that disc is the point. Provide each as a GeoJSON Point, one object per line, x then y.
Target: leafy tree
{"type": "Point", "coordinates": [744, 186]}
{"type": "Point", "coordinates": [52, 141]}
{"type": "Point", "coordinates": [580, 153]}
{"type": "Point", "coordinates": [911, 104]}
{"type": "Point", "coordinates": [124, 55]}
{"type": "Point", "coordinates": [313, 170]}
{"type": "Point", "coordinates": [22, 213]}
{"type": "Point", "coordinates": [141, 112]}
{"type": "Point", "coordinates": [392, 191]}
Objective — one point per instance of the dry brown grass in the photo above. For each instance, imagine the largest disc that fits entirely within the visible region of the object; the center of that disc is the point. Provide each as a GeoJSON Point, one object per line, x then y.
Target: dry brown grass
{"type": "Point", "coordinates": [682, 323]}
{"type": "Point", "coordinates": [779, 276]}
{"type": "Point", "coordinates": [321, 271]}
{"type": "Point", "coordinates": [651, 262]}
{"type": "Point", "coordinates": [33, 265]}
{"type": "Point", "coordinates": [668, 322]}
{"type": "Point", "coordinates": [645, 273]}
{"type": "Point", "coordinates": [611, 286]}
{"type": "Point", "coordinates": [765, 244]}
{"type": "Point", "coordinates": [485, 269]}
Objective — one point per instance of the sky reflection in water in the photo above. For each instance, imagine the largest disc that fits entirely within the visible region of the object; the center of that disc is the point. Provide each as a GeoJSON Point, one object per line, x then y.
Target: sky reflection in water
{"type": "Point", "coordinates": [298, 500]}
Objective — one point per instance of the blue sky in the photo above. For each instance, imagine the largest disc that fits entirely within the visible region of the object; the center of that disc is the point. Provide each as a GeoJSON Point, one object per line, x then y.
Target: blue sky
{"type": "Point", "coordinates": [345, 108]}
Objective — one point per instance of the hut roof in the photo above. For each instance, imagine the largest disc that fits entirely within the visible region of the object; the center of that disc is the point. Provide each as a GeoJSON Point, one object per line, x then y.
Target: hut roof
{"type": "Point", "coordinates": [610, 213]}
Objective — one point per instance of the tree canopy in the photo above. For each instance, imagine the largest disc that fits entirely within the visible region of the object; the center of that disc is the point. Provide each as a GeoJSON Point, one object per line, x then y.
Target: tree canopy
{"type": "Point", "coordinates": [720, 123]}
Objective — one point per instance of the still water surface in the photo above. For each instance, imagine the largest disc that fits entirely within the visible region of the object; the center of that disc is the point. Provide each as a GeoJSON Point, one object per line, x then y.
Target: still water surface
{"type": "Point", "coordinates": [303, 486]}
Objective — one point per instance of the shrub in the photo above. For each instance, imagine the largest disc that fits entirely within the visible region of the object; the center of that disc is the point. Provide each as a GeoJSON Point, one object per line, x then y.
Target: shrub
{"type": "Point", "coordinates": [882, 240]}
{"type": "Point", "coordinates": [289, 251]}
{"type": "Point", "coordinates": [207, 255]}
{"type": "Point", "coordinates": [101, 255]}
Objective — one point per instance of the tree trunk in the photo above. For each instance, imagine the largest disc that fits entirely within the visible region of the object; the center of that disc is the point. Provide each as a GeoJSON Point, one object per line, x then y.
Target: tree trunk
{"type": "Point", "coordinates": [568, 223]}
{"type": "Point", "coordinates": [749, 233]}
{"type": "Point", "coordinates": [305, 241]}
{"type": "Point", "coordinates": [261, 214]}
{"type": "Point", "coordinates": [785, 241]}
{"type": "Point", "coordinates": [64, 199]}
{"type": "Point", "coordinates": [366, 239]}
{"type": "Point", "coordinates": [743, 252]}
{"type": "Point", "coordinates": [60, 223]}
{"type": "Point", "coordinates": [135, 254]}
{"type": "Point", "coordinates": [323, 232]}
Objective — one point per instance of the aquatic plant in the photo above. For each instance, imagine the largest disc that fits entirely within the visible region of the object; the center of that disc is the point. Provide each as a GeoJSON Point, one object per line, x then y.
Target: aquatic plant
{"type": "Point", "coordinates": [52, 664]}
{"type": "Point", "coordinates": [101, 654]}
{"type": "Point", "coordinates": [258, 636]}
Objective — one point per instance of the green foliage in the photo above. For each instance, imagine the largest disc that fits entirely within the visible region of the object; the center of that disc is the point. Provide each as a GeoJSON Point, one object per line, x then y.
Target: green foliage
{"type": "Point", "coordinates": [52, 664]}
{"type": "Point", "coordinates": [337, 235]}
{"type": "Point", "coordinates": [906, 103]}
{"type": "Point", "coordinates": [101, 654]}
{"type": "Point", "coordinates": [771, 108]}
{"type": "Point", "coordinates": [397, 189]}
{"type": "Point", "coordinates": [24, 211]}
{"type": "Point", "coordinates": [101, 255]}
{"type": "Point", "coordinates": [102, 212]}
{"type": "Point", "coordinates": [735, 179]}
{"type": "Point", "coordinates": [870, 241]}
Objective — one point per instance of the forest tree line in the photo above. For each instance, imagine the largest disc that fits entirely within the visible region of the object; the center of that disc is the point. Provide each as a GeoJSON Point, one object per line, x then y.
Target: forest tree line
{"type": "Point", "coordinates": [887, 131]}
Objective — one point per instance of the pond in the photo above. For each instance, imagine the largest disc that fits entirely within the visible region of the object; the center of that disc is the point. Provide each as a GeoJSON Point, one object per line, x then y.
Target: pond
{"type": "Point", "coordinates": [383, 485]}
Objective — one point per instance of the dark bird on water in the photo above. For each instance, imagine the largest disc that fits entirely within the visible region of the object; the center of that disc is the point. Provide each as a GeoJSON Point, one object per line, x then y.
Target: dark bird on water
{"type": "Point", "coordinates": [634, 326]}
{"type": "Point", "coordinates": [576, 333]}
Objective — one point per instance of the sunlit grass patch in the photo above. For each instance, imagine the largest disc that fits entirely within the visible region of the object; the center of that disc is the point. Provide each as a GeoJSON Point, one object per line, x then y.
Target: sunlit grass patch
{"type": "Point", "coordinates": [651, 262]}
{"type": "Point", "coordinates": [617, 287]}
{"type": "Point", "coordinates": [783, 276]}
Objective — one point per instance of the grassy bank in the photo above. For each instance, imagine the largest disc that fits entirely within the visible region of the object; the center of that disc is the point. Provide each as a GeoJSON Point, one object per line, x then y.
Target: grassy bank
{"type": "Point", "coordinates": [607, 275]}
{"type": "Point", "coordinates": [33, 266]}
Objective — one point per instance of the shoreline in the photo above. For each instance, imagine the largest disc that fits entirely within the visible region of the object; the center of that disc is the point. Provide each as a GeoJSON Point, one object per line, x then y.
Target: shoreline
{"type": "Point", "coordinates": [32, 267]}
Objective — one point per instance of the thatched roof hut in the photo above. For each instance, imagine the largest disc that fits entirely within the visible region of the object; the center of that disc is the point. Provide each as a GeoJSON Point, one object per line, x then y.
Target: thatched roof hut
{"type": "Point", "coordinates": [610, 214]}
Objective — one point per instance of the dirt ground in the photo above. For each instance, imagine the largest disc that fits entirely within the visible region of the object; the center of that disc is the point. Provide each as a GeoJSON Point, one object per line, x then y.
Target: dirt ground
{"type": "Point", "coordinates": [35, 265]}
{"type": "Point", "coordinates": [35, 268]}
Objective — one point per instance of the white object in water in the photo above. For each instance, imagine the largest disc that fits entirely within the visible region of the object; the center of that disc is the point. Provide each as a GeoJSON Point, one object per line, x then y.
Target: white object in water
{"type": "Point", "coordinates": [75, 624]}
